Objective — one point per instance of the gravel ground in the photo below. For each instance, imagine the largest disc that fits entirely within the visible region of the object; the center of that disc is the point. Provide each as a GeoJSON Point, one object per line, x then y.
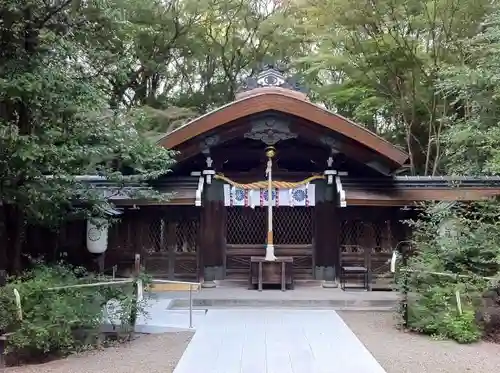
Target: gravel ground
{"type": "Point", "coordinates": [155, 353]}
{"type": "Point", "coordinates": [400, 352]}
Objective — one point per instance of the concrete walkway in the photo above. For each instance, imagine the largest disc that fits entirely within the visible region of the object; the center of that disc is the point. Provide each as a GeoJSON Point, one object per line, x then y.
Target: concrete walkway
{"type": "Point", "coordinates": [159, 317]}
{"type": "Point", "coordinates": [275, 341]}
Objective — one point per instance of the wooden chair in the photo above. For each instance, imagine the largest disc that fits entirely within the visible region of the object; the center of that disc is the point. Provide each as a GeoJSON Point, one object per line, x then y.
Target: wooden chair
{"type": "Point", "coordinates": [354, 266]}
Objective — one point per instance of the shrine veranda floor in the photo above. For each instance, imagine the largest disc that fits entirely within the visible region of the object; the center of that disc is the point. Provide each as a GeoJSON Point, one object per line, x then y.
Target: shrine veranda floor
{"type": "Point", "coordinates": [302, 296]}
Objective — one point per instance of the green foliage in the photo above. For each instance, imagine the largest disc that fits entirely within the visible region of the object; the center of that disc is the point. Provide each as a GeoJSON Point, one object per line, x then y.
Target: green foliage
{"type": "Point", "coordinates": [458, 250]}
{"type": "Point", "coordinates": [86, 86]}
{"type": "Point", "coordinates": [435, 312]}
{"type": "Point", "coordinates": [56, 121]}
{"type": "Point", "coordinates": [473, 87]}
{"type": "Point", "coordinates": [53, 320]}
{"type": "Point", "coordinates": [377, 62]}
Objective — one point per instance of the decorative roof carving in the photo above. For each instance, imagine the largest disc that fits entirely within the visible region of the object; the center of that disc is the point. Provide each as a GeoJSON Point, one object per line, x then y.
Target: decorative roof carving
{"type": "Point", "coordinates": [270, 130]}
{"type": "Point", "coordinates": [271, 76]}
{"type": "Point", "coordinates": [209, 142]}
{"type": "Point", "coordinates": [331, 143]}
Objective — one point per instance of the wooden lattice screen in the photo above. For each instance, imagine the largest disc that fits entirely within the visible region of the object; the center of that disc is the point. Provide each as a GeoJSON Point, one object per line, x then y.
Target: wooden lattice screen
{"type": "Point", "coordinates": [291, 225]}
{"type": "Point", "coordinates": [176, 232]}
{"type": "Point", "coordinates": [175, 229]}
{"type": "Point", "coordinates": [166, 237]}
{"type": "Point", "coordinates": [369, 244]}
{"type": "Point", "coordinates": [174, 238]}
{"type": "Point", "coordinates": [357, 233]}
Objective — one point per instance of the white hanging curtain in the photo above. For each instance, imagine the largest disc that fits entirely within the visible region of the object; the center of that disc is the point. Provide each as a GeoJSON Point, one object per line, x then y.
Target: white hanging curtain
{"type": "Point", "coordinates": [303, 195]}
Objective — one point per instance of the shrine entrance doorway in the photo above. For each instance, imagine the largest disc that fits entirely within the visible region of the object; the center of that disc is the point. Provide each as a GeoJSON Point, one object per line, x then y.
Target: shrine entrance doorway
{"type": "Point", "coordinates": [246, 231]}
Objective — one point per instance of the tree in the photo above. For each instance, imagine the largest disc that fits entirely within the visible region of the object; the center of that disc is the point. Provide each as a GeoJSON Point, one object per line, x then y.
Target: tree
{"type": "Point", "coordinates": [473, 88]}
{"type": "Point", "coordinates": [463, 241]}
{"type": "Point", "coordinates": [232, 40]}
{"type": "Point", "coordinates": [183, 58]}
{"type": "Point", "coordinates": [56, 121]}
{"type": "Point", "coordinates": [378, 62]}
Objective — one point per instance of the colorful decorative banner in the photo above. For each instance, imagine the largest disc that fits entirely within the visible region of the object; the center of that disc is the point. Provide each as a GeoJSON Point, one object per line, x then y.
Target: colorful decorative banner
{"type": "Point", "coordinates": [303, 195]}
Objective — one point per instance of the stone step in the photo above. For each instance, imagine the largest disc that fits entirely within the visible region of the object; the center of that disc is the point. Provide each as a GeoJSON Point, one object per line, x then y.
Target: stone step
{"type": "Point", "coordinates": [243, 283]}
{"type": "Point", "coordinates": [159, 287]}
{"type": "Point", "coordinates": [335, 304]}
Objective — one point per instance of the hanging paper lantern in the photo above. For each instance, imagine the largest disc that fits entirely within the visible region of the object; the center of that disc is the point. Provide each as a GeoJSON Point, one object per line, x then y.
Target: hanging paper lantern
{"type": "Point", "coordinates": [97, 236]}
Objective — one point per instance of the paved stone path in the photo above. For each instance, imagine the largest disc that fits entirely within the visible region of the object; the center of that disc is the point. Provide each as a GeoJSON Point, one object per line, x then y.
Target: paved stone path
{"type": "Point", "coordinates": [276, 341]}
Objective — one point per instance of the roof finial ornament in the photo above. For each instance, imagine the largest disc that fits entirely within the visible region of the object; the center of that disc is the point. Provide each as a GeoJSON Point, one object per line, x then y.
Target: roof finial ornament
{"type": "Point", "coordinates": [271, 74]}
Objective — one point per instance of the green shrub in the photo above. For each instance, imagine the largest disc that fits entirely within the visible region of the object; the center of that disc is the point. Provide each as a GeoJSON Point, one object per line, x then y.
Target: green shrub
{"type": "Point", "coordinates": [434, 312]}
{"type": "Point", "coordinates": [54, 320]}
{"type": "Point", "coordinates": [457, 250]}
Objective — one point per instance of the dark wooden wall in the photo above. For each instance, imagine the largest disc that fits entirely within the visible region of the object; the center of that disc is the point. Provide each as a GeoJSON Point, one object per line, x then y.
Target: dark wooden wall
{"type": "Point", "coordinates": [67, 242]}
{"type": "Point", "coordinates": [166, 237]}
{"type": "Point", "coordinates": [188, 242]}
{"type": "Point", "coordinates": [368, 236]}
{"type": "Point", "coordinates": [320, 238]}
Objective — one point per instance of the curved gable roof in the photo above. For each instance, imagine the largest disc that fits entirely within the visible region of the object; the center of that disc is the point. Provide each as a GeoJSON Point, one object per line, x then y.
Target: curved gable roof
{"type": "Point", "coordinates": [288, 102]}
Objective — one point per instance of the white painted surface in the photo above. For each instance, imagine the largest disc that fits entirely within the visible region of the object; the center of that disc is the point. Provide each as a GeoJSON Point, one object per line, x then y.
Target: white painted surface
{"type": "Point", "coordinates": [276, 341]}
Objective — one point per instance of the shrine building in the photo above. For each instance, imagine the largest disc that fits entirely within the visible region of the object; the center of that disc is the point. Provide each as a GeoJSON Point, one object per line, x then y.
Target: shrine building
{"type": "Point", "coordinates": [335, 195]}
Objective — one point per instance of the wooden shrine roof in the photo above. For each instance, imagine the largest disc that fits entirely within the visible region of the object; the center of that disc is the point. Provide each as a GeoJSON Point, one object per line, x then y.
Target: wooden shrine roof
{"type": "Point", "coordinates": [270, 93]}
{"type": "Point", "coordinates": [181, 191]}
{"type": "Point", "coordinates": [290, 102]}
{"type": "Point", "coordinates": [405, 190]}
{"type": "Point", "coordinates": [388, 191]}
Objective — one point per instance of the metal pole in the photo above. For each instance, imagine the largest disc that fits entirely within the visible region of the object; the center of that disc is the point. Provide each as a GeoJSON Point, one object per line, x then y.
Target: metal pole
{"type": "Point", "coordinates": [190, 307]}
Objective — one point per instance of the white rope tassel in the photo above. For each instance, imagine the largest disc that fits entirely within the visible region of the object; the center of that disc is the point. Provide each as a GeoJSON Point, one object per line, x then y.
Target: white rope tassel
{"type": "Point", "coordinates": [19, 307]}
{"type": "Point", "coordinates": [269, 167]}
{"type": "Point", "coordinates": [393, 261]}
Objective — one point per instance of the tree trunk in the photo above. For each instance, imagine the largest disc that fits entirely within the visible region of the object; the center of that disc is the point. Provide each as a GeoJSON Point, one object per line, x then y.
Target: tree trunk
{"type": "Point", "coordinates": [3, 247]}
{"type": "Point", "coordinates": [15, 234]}
{"type": "Point", "coordinates": [18, 242]}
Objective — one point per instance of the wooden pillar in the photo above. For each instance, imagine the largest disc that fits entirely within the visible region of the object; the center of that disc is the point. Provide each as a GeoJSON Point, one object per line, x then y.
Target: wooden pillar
{"type": "Point", "coordinates": [326, 235]}
{"type": "Point", "coordinates": [213, 232]}
{"type": "Point", "coordinates": [335, 228]}
{"type": "Point", "coordinates": [171, 243]}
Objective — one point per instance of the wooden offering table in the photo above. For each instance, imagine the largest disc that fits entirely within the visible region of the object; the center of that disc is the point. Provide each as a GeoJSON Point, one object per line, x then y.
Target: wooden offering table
{"type": "Point", "coordinates": [279, 271]}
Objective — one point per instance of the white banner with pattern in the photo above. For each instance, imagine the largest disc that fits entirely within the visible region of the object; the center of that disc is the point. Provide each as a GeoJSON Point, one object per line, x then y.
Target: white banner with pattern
{"type": "Point", "coordinates": [300, 196]}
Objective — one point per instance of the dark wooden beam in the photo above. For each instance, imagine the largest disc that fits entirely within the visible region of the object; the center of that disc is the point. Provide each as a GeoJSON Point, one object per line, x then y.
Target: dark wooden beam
{"type": "Point", "coordinates": [361, 154]}
{"type": "Point", "coordinates": [308, 142]}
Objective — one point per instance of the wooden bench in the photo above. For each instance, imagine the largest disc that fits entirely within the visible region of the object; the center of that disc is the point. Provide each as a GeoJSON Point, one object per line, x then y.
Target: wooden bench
{"type": "Point", "coordinates": [375, 260]}
{"type": "Point", "coordinates": [354, 270]}
{"type": "Point", "coordinates": [279, 271]}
